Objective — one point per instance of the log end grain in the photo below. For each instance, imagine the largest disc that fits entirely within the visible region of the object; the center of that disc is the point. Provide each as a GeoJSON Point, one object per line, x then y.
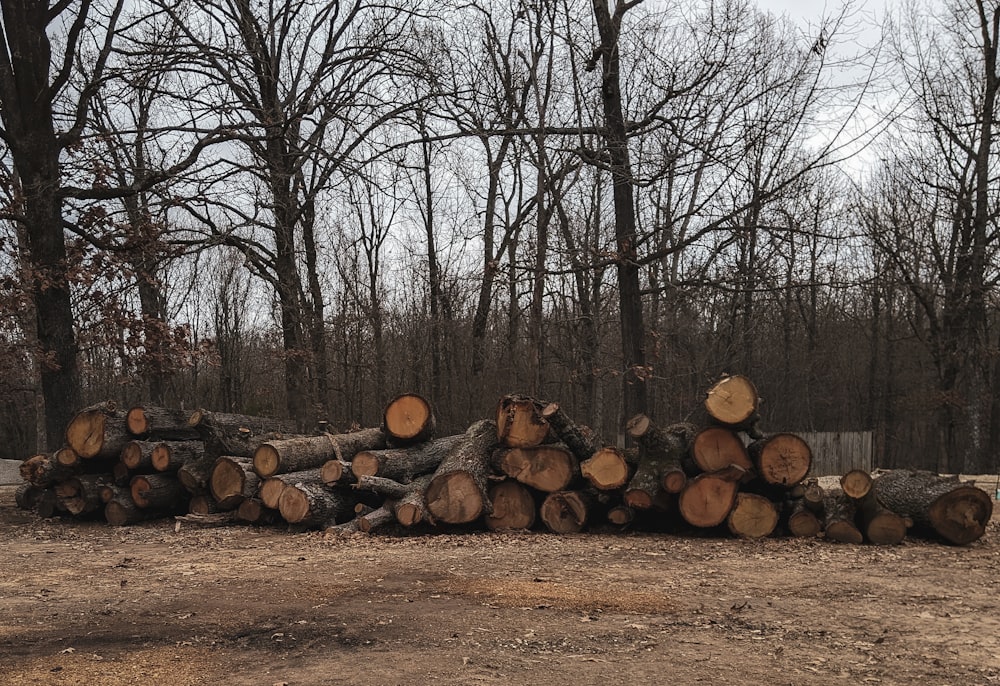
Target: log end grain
{"type": "Point", "coordinates": [782, 459]}
{"type": "Point", "coordinates": [266, 460]}
{"type": "Point", "coordinates": [674, 480]}
{"type": "Point", "coordinates": [564, 512]}
{"type": "Point", "coordinates": [519, 422]}
{"type": "Point", "coordinates": [753, 516]}
{"type": "Point", "coordinates": [161, 457]}
{"type": "Point", "coordinates": [548, 468]}
{"type": "Point", "coordinates": [332, 471]}
{"type": "Point", "coordinates": [607, 469]}
{"type": "Point", "coordinates": [85, 433]}
{"type": "Point", "coordinates": [804, 524]}
{"type": "Point", "coordinates": [732, 400]}
{"type": "Point", "coordinates": [621, 515]}
{"type": "Point", "coordinates": [856, 483]}
{"type": "Point", "coordinates": [638, 499]}
{"type": "Point", "coordinates": [843, 531]}
{"type": "Point", "coordinates": [409, 417]}
{"type": "Point", "coordinates": [455, 498]}
{"type": "Point", "coordinates": [270, 492]}
{"type": "Point", "coordinates": [131, 455]}
{"type": "Point", "coordinates": [885, 528]}
{"type": "Point", "coordinates": [136, 421]}
{"type": "Point", "coordinates": [637, 426]}
{"type": "Point", "coordinates": [513, 507]}
{"type": "Point", "coordinates": [960, 516]}
{"type": "Point", "coordinates": [67, 457]}
{"type": "Point", "coordinates": [717, 447]}
{"type": "Point", "coordinates": [707, 500]}
{"type": "Point", "coordinates": [365, 463]}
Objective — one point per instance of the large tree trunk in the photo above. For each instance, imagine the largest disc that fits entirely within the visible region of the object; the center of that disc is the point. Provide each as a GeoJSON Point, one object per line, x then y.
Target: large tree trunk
{"type": "Point", "coordinates": [458, 492]}
{"type": "Point", "coordinates": [233, 480]}
{"type": "Point", "coordinates": [708, 499]}
{"type": "Point", "coordinates": [781, 459]}
{"type": "Point", "coordinates": [98, 432]}
{"type": "Point", "coordinates": [403, 464]}
{"type": "Point", "coordinates": [955, 511]}
{"type": "Point", "coordinates": [548, 468]}
{"type": "Point", "coordinates": [306, 452]}
{"type": "Point", "coordinates": [513, 507]}
{"type": "Point", "coordinates": [716, 448]}
{"type": "Point", "coordinates": [408, 419]}
{"type": "Point", "coordinates": [753, 516]}
{"type": "Point", "coordinates": [314, 505]}
{"type": "Point", "coordinates": [160, 423]}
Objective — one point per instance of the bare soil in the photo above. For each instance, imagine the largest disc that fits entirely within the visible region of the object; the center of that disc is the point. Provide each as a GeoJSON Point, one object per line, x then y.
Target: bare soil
{"type": "Point", "coordinates": [84, 603]}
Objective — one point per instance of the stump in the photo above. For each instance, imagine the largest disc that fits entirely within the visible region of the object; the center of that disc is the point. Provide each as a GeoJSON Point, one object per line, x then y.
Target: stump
{"type": "Point", "coordinates": [954, 511]}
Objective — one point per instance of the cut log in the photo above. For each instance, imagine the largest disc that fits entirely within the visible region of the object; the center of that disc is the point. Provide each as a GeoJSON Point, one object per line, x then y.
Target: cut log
{"type": "Point", "coordinates": [124, 512]}
{"type": "Point", "coordinates": [158, 492]}
{"type": "Point", "coordinates": [856, 483]}
{"type": "Point", "coordinates": [403, 464]}
{"type": "Point", "coordinates": [957, 512]}
{"type": "Point", "coordinates": [660, 454]}
{"type": "Point", "coordinates": [513, 507]}
{"type": "Point", "coordinates": [733, 401]}
{"type": "Point", "coordinates": [880, 525]}
{"type": "Point", "coordinates": [44, 470]}
{"type": "Point", "coordinates": [520, 423]}
{"type": "Point", "coordinates": [120, 473]}
{"type": "Point", "coordinates": [607, 469]}
{"type": "Point", "coordinates": [753, 516]}
{"type": "Point", "coordinates": [457, 492]}
{"type": "Point", "coordinates": [717, 447]}
{"type": "Point", "coordinates": [27, 495]}
{"type": "Point", "coordinates": [160, 423]}
{"type": "Point", "coordinates": [194, 476]}
{"type": "Point", "coordinates": [567, 512]}
{"type": "Point", "coordinates": [812, 496]}
{"type": "Point", "coordinates": [802, 522]}
{"type": "Point", "coordinates": [579, 439]}
{"type": "Point", "coordinates": [113, 491]}
{"type": "Point", "coordinates": [233, 480]}
{"type": "Point", "coordinates": [203, 505]}
{"type": "Point", "coordinates": [781, 459]}
{"type": "Point", "coordinates": [137, 456]}
{"type": "Point", "coordinates": [252, 510]}
{"type": "Point", "coordinates": [272, 487]}
{"type": "Point", "coordinates": [409, 499]}
{"type": "Point", "coordinates": [86, 493]}
{"type": "Point", "coordinates": [226, 423]}
{"type": "Point", "coordinates": [408, 419]}
{"type": "Point", "coordinates": [708, 499]}
{"type": "Point", "coordinates": [377, 518]}
{"type": "Point", "coordinates": [67, 457]}
{"type": "Point", "coordinates": [170, 456]}
{"type": "Point", "coordinates": [307, 452]}
{"type": "Point", "coordinates": [548, 468]}
{"type": "Point", "coordinates": [313, 505]}
{"type": "Point", "coordinates": [337, 472]}
{"type": "Point", "coordinates": [98, 432]}
{"type": "Point", "coordinates": [621, 515]}
{"type": "Point", "coordinates": [839, 517]}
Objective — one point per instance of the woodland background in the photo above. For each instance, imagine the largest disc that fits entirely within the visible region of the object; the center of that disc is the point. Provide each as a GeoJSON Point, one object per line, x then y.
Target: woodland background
{"type": "Point", "coordinates": [302, 208]}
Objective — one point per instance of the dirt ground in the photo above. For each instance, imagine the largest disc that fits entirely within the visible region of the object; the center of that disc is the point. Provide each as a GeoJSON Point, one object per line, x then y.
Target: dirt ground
{"type": "Point", "coordinates": [83, 603]}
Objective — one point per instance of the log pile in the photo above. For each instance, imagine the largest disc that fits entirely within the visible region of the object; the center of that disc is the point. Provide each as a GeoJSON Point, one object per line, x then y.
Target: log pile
{"type": "Point", "coordinates": [530, 466]}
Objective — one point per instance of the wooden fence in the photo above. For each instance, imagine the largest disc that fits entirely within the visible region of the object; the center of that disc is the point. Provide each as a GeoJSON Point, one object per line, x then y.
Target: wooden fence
{"type": "Point", "coordinates": [835, 453]}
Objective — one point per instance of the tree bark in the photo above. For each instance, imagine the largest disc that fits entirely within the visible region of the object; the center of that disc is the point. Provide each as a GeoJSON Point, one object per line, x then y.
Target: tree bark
{"type": "Point", "coordinates": [160, 423]}
{"type": "Point", "coordinates": [458, 489]}
{"type": "Point", "coordinates": [306, 452]}
{"type": "Point", "coordinates": [272, 487]}
{"type": "Point", "coordinates": [839, 517]}
{"type": "Point", "coordinates": [314, 506]}
{"type": "Point", "coordinates": [955, 511]}
{"type": "Point", "coordinates": [404, 464]}
{"type": "Point", "coordinates": [233, 480]}
{"type": "Point", "coordinates": [579, 439]}
{"type": "Point", "coordinates": [157, 492]}
{"type": "Point", "coordinates": [170, 456]}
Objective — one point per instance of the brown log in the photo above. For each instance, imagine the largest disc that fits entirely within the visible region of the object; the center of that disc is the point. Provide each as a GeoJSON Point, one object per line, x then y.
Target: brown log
{"type": "Point", "coordinates": [157, 492]}
{"type": "Point", "coordinates": [457, 492]}
{"type": "Point", "coordinates": [47, 503]}
{"type": "Point", "coordinates": [377, 518]}
{"type": "Point", "coordinates": [781, 459]}
{"type": "Point", "coordinates": [233, 480]}
{"type": "Point", "coordinates": [732, 401]}
{"type": "Point", "coordinates": [98, 432]}
{"type": "Point", "coordinates": [839, 518]}
{"type": "Point", "coordinates": [307, 452]}
{"type": "Point", "coordinates": [314, 505]}
{"type": "Point", "coordinates": [548, 468]}
{"type": "Point", "coordinates": [203, 505]}
{"type": "Point", "coordinates": [520, 423]}
{"type": "Point", "coordinates": [621, 515]}
{"type": "Point", "coordinates": [957, 512]}
{"type": "Point", "coordinates": [120, 473]}
{"type": "Point", "coordinates": [227, 423]}
{"type": "Point", "coordinates": [252, 510]}
{"type": "Point", "coordinates": [579, 439]}
{"type": "Point", "coordinates": [803, 522]}
{"type": "Point", "coordinates": [113, 491]}
{"type": "Point", "coordinates": [567, 512]}
{"type": "Point", "coordinates": [880, 525]}
{"type": "Point", "coordinates": [403, 464]}
{"type": "Point", "coordinates": [160, 423]}
{"type": "Point", "coordinates": [717, 447]}
{"type": "Point", "coordinates": [513, 507]}
{"type": "Point", "coordinates": [607, 469]}
{"type": "Point", "coordinates": [408, 499]}
{"type": "Point", "coordinates": [272, 487]}
{"type": "Point", "coordinates": [708, 499]}
{"type": "Point", "coordinates": [170, 456]}
{"type": "Point", "coordinates": [856, 483]}
{"type": "Point", "coordinates": [27, 495]}
{"type": "Point", "coordinates": [194, 476]}
{"type": "Point", "coordinates": [337, 472]}
{"type": "Point", "coordinates": [86, 496]}
{"type": "Point", "coordinates": [67, 457]}
{"type": "Point", "coordinates": [752, 516]}
{"type": "Point", "coordinates": [44, 470]}
{"type": "Point", "coordinates": [408, 419]}
{"type": "Point", "coordinates": [123, 512]}
{"type": "Point", "coordinates": [137, 456]}
{"type": "Point", "coordinates": [812, 495]}
{"type": "Point", "coordinates": [660, 454]}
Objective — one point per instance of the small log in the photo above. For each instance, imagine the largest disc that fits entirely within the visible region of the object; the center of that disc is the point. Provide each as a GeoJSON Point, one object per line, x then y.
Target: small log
{"type": "Point", "coordinates": [211, 519]}
{"type": "Point", "coordinates": [567, 512]}
{"type": "Point", "coordinates": [137, 456]}
{"type": "Point", "coordinates": [160, 423]}
{"type": "Point", "coordinates": [98, 432]}
{"type": "Point", "coordinates": [203, 505]}
{"type": "Point", "coordinates": [621, 515]}
{"type": "Point", "coordinates": [337, 472]}
{"type": "Point", "coordinates": [120, 473]}
{"type": "Point", "coordinates": [957, 512]}
{"type": "Point", "coordinates": [513, 507]}
{"type": "Point", "coordinates": [733, 401]}
{"type": "Point", "coordinates": [226, 423]}
{"type": "Point", "coordinates": [157, 492]}
{"type": "Point", "coordinates": [880, 525]}
{"type": "Point", "coordinates": [307, 452]}
{"type": "Point", "coordinates": [781, 459]}
{"type": "Point", "coordinates": [124, 512]}
{"type": "Point", "coordinates": [856, 483]}
{"type": "Point", "coordinates": [67, 457]}
{"type": "Point", "coordinates": [272, 487]}
{"type": "Point", "coordinates": [607, 469]}
{"type": "Point", "coordinates": [708, 499]}
{"type": "Point", "coordinates": [170, 456]}
{"type": "Point", "coordinates": [812, 496]}
{"type": "Point", "coordinates": [802, 522]}
{"type": "Point", "coordinates": [752, 516]}
{"type": "Point", "coordinates": [253, 511]}
{"type": "Point", "coordinates": [839, 518]}
{"type": "Point", "coordinates": [233, 480]}
{"type": "Point", "coordinates": [112, 491]}
{"type": "Point", "coordinates": [313, 505]}
{"type": "Point", "coordinates": [408, 419]}
{"type": "Point", "coordinates": [44, 470]}
{"type": "Point", "coordinates": [579, 439]}
{"type": "Point", "coordinates": [659, 469]}
{"type": "Point", "coordinates": [717, 447]}
{"type": "Point", "coordinates": [403, 464]}
{"type": "Point", "coordinates": [457, 492]}
{"type": "Point", "coordinates": [520, 423]}
{"type": "Point", "coordinates": [27, 495]}
{"type": "Point", "coordinates": [377, 518]}
{"type": "Point", "coordinates": [548, 468]}
{"type": "Point", "coordinates": [194, 476]}
{"type": "Point", "coordinates": [87, 493]}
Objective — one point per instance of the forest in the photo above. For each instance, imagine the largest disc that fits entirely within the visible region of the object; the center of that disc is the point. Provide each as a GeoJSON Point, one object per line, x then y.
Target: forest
{"type": "Point", "coordinates": [301, 208]}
